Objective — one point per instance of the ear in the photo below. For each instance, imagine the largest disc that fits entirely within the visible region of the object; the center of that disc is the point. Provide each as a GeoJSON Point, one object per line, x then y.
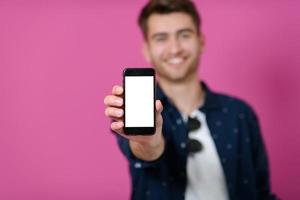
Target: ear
{"type": "Point", "coordinates": [202, 42]}
{"type": "Point", "coordinates": [145, 51]}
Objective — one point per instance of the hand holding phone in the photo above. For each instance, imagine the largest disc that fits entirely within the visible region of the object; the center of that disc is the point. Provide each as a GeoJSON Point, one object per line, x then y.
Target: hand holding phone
{"type": "Point", "coordinates": [144, 146]}
{"type": "Point", "coordinates": [115, 110]}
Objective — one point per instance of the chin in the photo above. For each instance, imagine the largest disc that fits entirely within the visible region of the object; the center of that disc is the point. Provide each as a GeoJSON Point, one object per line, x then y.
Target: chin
{"type": "Point", "coordinates": [176, 77]}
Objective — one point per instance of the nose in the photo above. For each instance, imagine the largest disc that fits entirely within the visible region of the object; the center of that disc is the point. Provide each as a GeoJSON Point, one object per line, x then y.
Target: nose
{"type": "Point", "coordinates": [174, 46]}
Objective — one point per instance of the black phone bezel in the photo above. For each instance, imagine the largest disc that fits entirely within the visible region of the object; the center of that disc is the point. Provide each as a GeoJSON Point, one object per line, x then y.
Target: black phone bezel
{"type": "Point", "coordinates": [139, 72]}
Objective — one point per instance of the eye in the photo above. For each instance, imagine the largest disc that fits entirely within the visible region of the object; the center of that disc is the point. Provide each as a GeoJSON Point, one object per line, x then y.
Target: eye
{"type": "Point", "coordinates": [160, 39]}
{"type": "Point", "coordinates": [185, 35]}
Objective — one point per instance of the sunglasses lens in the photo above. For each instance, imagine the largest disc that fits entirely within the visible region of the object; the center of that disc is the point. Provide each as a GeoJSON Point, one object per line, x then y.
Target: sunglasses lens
{"type": "Point", "coordinates": [193, 124]}
{"type": "Point", "coordinates": [194, 146]}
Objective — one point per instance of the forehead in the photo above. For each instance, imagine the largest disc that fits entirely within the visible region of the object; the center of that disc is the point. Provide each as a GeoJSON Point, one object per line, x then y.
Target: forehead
{"type": "Point", "coordinates": [169, 23]}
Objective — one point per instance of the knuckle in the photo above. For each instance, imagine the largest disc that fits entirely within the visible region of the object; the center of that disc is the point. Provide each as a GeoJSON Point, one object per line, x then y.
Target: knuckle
{"type": "Point", "coordinates": [109, 112]}
{"type": "Point", "coordinates": [110, 100]}
{"type": "Point", "coordinates": [105, 100]}
{"type": "Point", "coordinates": [112, 126]}
{"type": "Point", "coordinates": [106, 112]}
{"type": "Point", "coordinates": [115, 88]}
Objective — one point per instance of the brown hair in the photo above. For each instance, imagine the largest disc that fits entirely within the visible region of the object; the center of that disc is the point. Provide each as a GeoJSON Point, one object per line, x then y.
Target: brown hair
{"type": "Point", "coordinates": [166, 7]}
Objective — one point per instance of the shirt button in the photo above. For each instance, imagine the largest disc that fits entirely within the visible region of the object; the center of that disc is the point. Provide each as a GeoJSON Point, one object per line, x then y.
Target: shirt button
{"type": "Point", "coordinates": [241, 115]}
{"type": "Point", "coordinates": [225, 110]}
{"type": "Point", "coordinates": [235, 130]}
{"type": "Point", "coordinates": [215, 136]}
{"type": "Point", "coordinates": [218, 123]}
{"type": "Point", "coordinates": [178, 121]}
{"type": "Point", "coordinates": [182, 145]}
{"type": "Point", "coordinates": [164, 184]}
{"type": "Point", "coordinates": [247, 140]}
{"type": "Point", "coordinates": [224, 160]}
{"type": "Point", "coordinates": [173, 128]}
{"type": "Point", "coordinates": [137, 165]}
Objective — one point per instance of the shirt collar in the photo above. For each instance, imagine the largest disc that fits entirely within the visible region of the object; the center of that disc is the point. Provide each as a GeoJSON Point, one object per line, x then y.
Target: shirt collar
{"type": "Point", "coordinates": [211, 98]}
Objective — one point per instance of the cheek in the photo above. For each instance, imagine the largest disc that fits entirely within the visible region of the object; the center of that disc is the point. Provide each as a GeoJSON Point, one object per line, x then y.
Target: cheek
{"type": "Point", "coordinates": [192, 47]}
{"type": "Point", "coordinates": [157, 51]}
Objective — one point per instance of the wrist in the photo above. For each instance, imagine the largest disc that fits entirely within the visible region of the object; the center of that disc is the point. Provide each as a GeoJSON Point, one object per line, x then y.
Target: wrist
{"type": "Point", "coordinates": [153, 141]}
{"type": "Point", "coordinates": [148, 150]}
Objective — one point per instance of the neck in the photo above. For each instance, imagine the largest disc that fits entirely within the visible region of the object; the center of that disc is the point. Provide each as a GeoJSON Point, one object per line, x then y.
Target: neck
{"type": "Point", "coordinates": [186, 95]}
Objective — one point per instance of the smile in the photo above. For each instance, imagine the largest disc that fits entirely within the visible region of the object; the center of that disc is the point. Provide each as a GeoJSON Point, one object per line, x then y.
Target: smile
{"type": "Point", "coordinates": [175, 61]}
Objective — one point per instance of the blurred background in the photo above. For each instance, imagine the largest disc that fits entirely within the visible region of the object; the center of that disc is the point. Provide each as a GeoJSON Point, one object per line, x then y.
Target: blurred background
{"type": "Point", "coordinates": [58, 59]}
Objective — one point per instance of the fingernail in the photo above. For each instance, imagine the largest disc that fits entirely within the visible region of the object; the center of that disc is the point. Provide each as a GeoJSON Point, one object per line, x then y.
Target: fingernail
{"type": "Point", "coordinates": [119, 112]}
{"type": "Point", "coordinates": [119, 101]}
{"type": "Point", "coordinates": [119, 124]}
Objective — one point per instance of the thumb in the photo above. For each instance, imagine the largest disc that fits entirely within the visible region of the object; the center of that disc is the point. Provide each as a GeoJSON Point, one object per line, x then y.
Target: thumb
{"type": "Point", "coordinates": [158, 106]}
{"type": "Point", "coordinates": [159, 120]}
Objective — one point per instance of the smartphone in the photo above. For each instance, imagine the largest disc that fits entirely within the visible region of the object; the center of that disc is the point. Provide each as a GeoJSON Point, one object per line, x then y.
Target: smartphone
{"type": "Point", "coordinates": [139, 101]}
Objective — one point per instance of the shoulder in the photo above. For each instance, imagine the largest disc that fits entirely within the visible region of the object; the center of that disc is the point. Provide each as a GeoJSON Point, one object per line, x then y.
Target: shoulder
{"type": "Point", "coordinates": [234, 104]}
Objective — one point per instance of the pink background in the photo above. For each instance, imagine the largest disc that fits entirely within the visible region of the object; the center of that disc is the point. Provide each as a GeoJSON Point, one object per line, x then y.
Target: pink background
{"type": "Point", "coordinates": [59, 59]}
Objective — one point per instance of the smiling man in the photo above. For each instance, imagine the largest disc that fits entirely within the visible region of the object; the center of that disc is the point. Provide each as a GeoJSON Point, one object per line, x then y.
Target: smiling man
{"type": "Point", "coordinates": [206, 145]}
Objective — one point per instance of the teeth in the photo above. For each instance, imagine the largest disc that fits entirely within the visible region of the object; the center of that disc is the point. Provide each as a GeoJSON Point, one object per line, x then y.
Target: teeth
{"type": "Point", "coordinates": [175, 61]}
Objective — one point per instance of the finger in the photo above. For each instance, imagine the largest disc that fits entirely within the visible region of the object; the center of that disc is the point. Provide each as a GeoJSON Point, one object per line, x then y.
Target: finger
{"type": "Point", "coordinates": [114, 112]}
{"type": "Point", "coordinates": [117, 127]}
{"type": "Point", "coordinates": [117, 90]}
{"type": "Point", "coordinates": [117, 118]}
{"type": "Point", "coordinates": [112, 100]}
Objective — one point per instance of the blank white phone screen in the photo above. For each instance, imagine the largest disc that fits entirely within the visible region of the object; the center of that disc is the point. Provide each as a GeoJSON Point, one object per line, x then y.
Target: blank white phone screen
{"type": "Point", "coordinates": [139, 101]}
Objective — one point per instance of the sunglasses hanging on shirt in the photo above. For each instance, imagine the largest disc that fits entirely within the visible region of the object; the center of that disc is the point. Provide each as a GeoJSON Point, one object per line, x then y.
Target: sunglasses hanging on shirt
{"type": "Point", "coordinates": [193, 145]}
{"type": "Point", "coordinates": [193, 124]}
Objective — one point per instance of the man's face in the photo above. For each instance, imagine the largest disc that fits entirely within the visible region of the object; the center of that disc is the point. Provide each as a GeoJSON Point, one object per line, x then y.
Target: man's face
{"type": "Point", "coordinates": [173, 45]}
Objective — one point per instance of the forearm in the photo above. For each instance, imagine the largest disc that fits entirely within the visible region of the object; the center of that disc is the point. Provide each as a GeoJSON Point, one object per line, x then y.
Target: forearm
{"type": "Point", "coordinates": [148, 151]}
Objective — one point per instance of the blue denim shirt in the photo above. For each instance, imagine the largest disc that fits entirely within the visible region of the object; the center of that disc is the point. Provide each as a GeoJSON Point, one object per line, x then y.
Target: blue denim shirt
{"type": "Point", "coordinates": [236, 133]}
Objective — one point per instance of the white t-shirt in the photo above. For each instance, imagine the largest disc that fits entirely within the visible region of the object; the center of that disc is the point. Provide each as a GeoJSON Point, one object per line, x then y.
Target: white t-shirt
{"type": "Point", "coordinates": [205, 176]}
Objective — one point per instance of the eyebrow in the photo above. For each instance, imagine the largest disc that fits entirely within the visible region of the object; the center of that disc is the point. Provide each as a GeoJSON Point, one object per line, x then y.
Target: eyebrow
{"type": "Point", "coordinates": [189, 30]}
{"type": "Point", "coordinates": [177, 32]}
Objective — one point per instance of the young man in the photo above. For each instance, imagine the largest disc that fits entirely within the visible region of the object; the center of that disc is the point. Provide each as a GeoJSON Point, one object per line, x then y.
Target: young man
{"type": "Point", "coordinates": [207, 145]}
